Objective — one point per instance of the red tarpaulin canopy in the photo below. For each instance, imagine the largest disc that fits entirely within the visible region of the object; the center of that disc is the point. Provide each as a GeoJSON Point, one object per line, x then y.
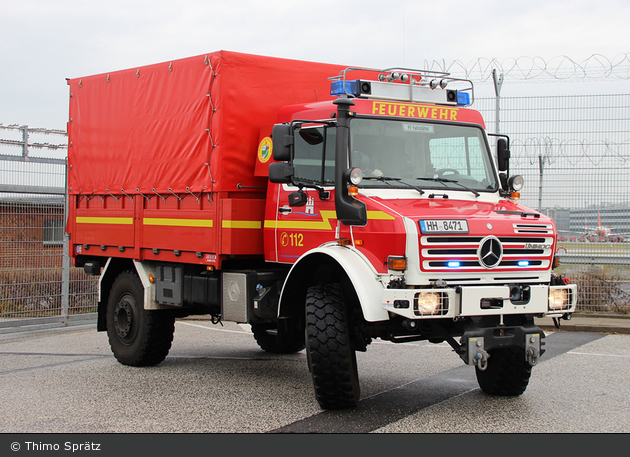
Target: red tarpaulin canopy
{"type": "Point", "coordinates": [193, 123]}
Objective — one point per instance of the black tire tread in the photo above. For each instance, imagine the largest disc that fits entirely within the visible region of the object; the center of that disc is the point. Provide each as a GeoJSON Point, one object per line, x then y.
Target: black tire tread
{"type": "Point", "coordinates": [331, 358]}
{"type": "Point", "coordinates": [154, 341]}
{"type": "Point", "coordinates": [507, 374]}
{"type": "Point", "coordinates": [270, 343]}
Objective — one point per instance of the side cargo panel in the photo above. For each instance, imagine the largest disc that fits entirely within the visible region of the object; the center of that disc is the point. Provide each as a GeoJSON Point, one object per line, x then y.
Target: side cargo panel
{"type": "Point", "coordinates": [153, 150]}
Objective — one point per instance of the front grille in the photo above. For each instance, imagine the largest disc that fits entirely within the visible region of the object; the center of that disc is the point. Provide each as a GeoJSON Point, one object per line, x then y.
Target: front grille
{"type": "Point", "coordinates": [546, 229]}
{"type": "Point", "coordinates": [449, 253]}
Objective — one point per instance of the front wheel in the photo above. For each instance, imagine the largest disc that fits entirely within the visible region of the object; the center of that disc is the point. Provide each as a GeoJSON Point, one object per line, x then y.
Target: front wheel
{"type": "Point", "coordinates": [137, 337]}
{"type": "Point", "coordinates": [507, 374]}
{"type": "Point", "coordinates": [331, 358]}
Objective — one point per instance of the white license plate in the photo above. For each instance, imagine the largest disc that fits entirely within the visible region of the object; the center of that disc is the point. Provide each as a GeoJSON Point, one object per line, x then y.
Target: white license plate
{"type": "Point", "coordinates": [444, 226]}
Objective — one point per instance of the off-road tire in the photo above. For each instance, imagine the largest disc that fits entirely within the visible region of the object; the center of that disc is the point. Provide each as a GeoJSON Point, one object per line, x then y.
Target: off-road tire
{"type": "Point", "coordinates": [507, 374]}
{"type": "Point", "coordinates": [266, 335]}
{"type": "Point", "coordinates": [138, 337]}
{"type": "Point", "coordinates": [331, 358]}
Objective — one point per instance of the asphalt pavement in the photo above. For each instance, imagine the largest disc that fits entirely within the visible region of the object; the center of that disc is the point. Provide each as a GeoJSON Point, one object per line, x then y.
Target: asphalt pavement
{"type": "Point", "coordinates": [217, 380]}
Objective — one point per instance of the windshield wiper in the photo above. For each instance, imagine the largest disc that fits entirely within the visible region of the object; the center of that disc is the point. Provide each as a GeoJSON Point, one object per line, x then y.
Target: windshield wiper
{"type": "Point", "coordinates": [444, 180]}
{"type": "Point", "coordinates": [385, 179]}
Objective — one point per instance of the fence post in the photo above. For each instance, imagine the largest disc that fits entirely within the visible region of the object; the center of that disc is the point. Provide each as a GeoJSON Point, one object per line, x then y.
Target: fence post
{"type": "Point", "coordinates": [65, 263]}
{"type": "Point", "coordinates": [65, 281]}
{"type": "Point", "coordinates": [498, 83]}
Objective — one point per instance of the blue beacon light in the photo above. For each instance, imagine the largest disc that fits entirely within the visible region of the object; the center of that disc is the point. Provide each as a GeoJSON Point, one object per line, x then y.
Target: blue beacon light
{"type": "Point", "coordinates": [351, 88]}
{"type": "Point", "coordinates": [453, 264]}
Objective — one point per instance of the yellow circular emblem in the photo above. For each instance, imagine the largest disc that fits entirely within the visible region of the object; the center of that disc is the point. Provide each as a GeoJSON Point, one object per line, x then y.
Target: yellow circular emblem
{"type": "Point", "coordinates": [265, 149]}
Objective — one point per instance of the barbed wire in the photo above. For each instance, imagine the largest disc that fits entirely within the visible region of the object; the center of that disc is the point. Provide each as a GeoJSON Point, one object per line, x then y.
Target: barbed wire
{"type": "Point", "coordinates": [33, 129]}
{"type": "Point", "coordinates": [597, 152]}
{"type": "Point", "coordinates": [560, 68]}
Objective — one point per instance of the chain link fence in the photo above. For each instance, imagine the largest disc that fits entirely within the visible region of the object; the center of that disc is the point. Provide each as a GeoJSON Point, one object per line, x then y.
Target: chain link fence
{"type": "Point", "coordinates": [574, 154]}
{"type": "Point", "coordinates": [37, 284]}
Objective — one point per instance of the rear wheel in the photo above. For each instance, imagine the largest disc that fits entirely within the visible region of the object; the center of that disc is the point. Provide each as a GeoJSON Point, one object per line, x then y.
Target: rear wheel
{"type": "Point", "coordinates": [331, 358]}
{"type": "Point", "coordinates": [507, 374]}
{"type": "Point", "coordinates": [268, 338]}
{"type": "Point", "coordinates": [137, 337]}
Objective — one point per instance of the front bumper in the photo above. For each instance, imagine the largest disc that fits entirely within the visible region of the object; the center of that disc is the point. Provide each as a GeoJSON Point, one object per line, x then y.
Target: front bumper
{"type": "Point", "coordinates": [465, 301]}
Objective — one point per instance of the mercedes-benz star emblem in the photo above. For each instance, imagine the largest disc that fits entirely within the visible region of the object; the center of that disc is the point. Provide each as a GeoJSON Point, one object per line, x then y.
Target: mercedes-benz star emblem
{"type": "Point", "coordinates": [490, 252]}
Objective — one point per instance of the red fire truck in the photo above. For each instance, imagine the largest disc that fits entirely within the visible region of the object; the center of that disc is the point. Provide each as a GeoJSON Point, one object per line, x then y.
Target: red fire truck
{"type": "Point", "coordinates": [323, 205]}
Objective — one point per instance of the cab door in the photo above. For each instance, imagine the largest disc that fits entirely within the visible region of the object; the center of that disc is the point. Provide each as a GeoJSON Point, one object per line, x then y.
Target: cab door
{"type": "Point", "coordinates": [306, 215]}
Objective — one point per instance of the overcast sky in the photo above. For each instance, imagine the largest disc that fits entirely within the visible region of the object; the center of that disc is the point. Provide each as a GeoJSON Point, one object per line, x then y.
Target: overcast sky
{"type": "Point", "coordinates": [42, 42]}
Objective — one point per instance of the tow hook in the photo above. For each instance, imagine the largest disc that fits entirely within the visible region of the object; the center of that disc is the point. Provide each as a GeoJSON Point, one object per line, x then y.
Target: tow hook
{"type": "Point", "coordinates": [481, 359]}
{"type": "Point", "coordinates": [532, 356]}
{"type": "Point", "coordinates": [532, 348]}
{"type": "Point", "coordinates": [477, 355]}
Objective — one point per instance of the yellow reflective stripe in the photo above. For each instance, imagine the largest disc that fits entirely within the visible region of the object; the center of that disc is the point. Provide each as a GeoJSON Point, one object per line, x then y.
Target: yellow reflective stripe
{"type": "Point", "coordinates": [324, 224]}
{"type": "Point", "coordinates": [379, 216]}
{"type": "Point", "coordinates": [177, 222]}
{"type": "Point", "coordinates": [242, 224]}
{"type": "Point", "coordinates": [104, 220]}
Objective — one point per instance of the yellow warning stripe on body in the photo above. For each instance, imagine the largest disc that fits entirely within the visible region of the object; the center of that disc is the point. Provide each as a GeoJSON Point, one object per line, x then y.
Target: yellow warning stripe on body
{"type": "Point", "coordinates": [379, 216]}
{"type": "Point", "coordinates": [242, 224]}
{"type": "Point", "coordinates": [170, 222]}
{"type": "Point", "coordinates": [324, 224]}
{"type": "Point", "coordinates": [104, 220]}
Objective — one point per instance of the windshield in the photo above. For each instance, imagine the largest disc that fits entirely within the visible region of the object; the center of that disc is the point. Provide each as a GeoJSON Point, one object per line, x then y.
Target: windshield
{"type": "Point", "coordinates": [400, 153]}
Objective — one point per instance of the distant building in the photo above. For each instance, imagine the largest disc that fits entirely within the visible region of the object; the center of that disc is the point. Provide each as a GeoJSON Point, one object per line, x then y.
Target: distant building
{"type": "Point", "coordinates": [31, 232]}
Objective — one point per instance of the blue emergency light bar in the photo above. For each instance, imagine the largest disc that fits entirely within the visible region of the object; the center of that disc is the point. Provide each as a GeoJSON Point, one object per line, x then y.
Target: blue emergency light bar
{"type": "Point", "coordinates": [352, 88]}
{"type": "Point", "coordinates": [399, 92]}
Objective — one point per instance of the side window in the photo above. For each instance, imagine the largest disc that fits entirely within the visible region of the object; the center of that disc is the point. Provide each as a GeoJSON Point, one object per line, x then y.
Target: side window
{"type": "Point", "coordinates": [53, 232]}
{"type": "Point", "coordinates": [314, 155]}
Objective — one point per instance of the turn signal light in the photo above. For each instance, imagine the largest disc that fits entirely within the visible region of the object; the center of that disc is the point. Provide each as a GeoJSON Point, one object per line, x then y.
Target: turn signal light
{"type": "Point", "coordinates": [396, 263]}
{"type": "Point", "coordinates": [348, 242]}
{"type": "Point", "coordinates": [353, 191]}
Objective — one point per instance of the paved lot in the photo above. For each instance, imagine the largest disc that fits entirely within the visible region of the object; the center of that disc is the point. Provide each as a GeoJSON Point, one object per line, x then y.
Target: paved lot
{"type": "Point", "coordinates": [217, 380]}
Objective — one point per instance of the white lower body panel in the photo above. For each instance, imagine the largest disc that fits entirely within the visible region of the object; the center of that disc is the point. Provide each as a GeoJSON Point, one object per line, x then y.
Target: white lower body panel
{"type": "Point", "coordinates": [474, 301]}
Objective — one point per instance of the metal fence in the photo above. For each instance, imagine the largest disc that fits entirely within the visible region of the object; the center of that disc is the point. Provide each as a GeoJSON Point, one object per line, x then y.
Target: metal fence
{"type": "Point", "coordinates": [573, 151]}
{"type": "Point", "coordinates": [37, 283]}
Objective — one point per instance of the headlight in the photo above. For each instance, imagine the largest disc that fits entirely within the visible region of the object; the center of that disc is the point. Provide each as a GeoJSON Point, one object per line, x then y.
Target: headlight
{"type": "Point", "coordinates": [516, 183]}
{"type": "Point", "coordinates": [428, 303]}
{"type": "Point", "coordinates": [558, 299]}
{"type": "Point", "coordinates": [354, 176]}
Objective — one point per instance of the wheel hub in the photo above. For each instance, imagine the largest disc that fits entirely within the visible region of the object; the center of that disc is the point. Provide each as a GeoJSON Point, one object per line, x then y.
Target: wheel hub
{"type": "Point", "coordinates": [123, 317]}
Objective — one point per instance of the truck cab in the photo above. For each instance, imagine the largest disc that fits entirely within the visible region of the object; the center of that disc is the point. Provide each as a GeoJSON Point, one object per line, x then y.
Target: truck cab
{"type": "Point", "coordinates": [389, 206]}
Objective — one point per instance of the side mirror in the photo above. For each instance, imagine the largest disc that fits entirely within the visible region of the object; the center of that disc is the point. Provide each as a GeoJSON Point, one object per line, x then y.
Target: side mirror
{"type": "Point", "coordinates": [503, 154]}
{"type": "Point", "coordinates": [280, 172]}
{"type": "Point", "coordinates": [282, 136]}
